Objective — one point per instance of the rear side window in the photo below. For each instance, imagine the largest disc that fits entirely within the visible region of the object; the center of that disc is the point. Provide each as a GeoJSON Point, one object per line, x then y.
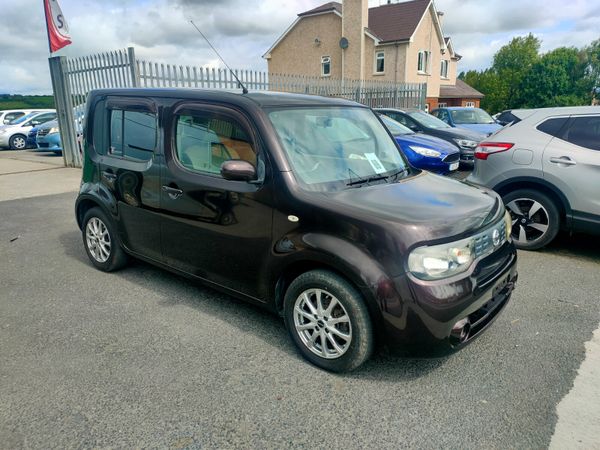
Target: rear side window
{"type": "Point", "coordinates": [12, 116]}
{"type": "Point", "coordinates": [584, 132]}
{"type": "Point", "coordinates": [204, 141]}
{"type": "Point", "coordinates": [132, 134]}
{"type": "Point", "coordinates": [553, 127]}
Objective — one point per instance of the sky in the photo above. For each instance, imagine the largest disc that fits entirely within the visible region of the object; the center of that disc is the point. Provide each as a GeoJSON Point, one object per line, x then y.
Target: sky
{"type": "Point", "coordinates": [243, 30]}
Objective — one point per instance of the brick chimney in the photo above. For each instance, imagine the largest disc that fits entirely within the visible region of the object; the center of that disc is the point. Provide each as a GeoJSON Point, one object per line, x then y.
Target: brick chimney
{"type": "Point", "coordinates": [355, 18]}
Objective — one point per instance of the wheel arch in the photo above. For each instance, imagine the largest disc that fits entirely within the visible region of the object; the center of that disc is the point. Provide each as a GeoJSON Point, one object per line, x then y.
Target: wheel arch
{"type": "Point", "coordinates": [555, 194]}
{"type": "Point", "coordinates": [84, 204]}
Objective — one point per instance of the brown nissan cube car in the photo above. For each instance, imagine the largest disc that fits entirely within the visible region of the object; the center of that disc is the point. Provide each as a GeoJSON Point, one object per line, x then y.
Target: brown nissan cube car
{"type": "Point", "coordinates": [301, 204]}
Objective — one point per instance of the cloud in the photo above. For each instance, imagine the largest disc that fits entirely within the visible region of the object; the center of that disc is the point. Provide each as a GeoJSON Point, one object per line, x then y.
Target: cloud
{"type": "Point", "coordinates": [242, 31]}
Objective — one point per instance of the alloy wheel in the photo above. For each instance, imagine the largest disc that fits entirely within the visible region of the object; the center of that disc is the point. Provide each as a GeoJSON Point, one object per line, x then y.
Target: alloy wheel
{"type": "Point", "coordinates": [19, 143]}
{"type": "Point", "coordinates": [530, 220]}
{"type": "Point", "coordinates": [322, 323]}
{"type": "Point", "coordinates": [98, 239]}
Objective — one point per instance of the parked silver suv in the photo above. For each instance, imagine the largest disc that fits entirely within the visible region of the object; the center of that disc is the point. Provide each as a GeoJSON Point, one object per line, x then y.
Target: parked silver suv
{"type": "Point", "coordinates": [546, 166]}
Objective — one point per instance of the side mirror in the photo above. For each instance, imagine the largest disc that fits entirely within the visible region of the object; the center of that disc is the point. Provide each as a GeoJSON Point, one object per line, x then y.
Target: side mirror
{"type": "Point", "coordinates": [238, 170]}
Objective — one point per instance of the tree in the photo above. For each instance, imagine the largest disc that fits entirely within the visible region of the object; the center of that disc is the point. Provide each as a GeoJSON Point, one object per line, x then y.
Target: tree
{"type": "Point", "coordinates": [512, 63]}
{"type": "Point", "coordinates": [488, 82]}
{"type": "Point", "coordinates": [555, 80]}
{"type": "Point", "coordinates": [591, 58]}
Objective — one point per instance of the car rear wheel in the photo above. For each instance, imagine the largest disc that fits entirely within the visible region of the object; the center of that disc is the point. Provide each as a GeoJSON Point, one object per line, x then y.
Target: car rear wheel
{"type": "Point", "coordinates": [18, 142]}
{"type": "Point", "coordinates": [328, 321]}
{"type": "Point", "coordinates": [100, 241]}
{"type": "Point", "coordinates": [535, 218]}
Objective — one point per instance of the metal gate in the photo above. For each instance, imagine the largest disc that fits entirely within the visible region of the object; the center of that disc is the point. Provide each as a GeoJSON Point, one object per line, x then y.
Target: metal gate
{"type": "Point", "coordinates": [74, 78]}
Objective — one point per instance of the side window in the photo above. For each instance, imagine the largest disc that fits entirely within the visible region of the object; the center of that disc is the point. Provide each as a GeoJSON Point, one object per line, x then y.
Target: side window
{"type": "Point", "coordinates": [132, 134]}
{"type": "Point", "coordinates": [553, 127]}
{"type": "Point", "coordinates": [584, 131]}
{"type": "Point", "coordinates": [204, 141]}
{"type": "Point", "coordinates": [12, 116]}
{"type": "Point", "coordinates": [99, 131]}
{"type": "Point", "coordinates": [442, 114]}
{"type": "Point", "coordinates": [42, 118]}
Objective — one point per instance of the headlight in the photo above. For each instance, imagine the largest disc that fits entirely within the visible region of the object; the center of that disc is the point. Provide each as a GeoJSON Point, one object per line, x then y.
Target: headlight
{"type": "Point", "coordinates": [425, 151]}
{"type": "Point", "coordinates": [465, 143]}
{"type": "Point", "coordinates": [442, 261]}
{"type": "Point", "coordinates": [53, 130]}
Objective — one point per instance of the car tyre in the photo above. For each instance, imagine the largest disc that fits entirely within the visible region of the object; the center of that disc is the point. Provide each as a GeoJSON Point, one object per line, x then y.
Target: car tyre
{"type": "Point", "coordinates": [320, 306]}
{"type": "Point", "coordinates": [100, 241]}
{"type": "Point", "coordinates": [535, 217]}
{"type": "Point", "coordinates": [18, 142]}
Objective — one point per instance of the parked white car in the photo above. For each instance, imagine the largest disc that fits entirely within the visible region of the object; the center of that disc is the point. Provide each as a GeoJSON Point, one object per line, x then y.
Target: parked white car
{"type": "Point", "coordinates": [14, 135]}
{"type": "Point", "coordinates": [8, 115]}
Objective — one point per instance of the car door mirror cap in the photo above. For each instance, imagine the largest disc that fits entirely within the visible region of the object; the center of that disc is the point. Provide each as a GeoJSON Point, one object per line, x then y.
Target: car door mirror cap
{"type": "Point", "coordinates": [238, 170]}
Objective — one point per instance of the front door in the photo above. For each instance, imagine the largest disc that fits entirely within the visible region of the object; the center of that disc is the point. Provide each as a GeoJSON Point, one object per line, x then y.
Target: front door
{"type": "Point", "coordinates": [126, 142]}
{"type": "Point", "coordinates": [216, 229]}
{"type": "Point", "coordinates": [572, 162]}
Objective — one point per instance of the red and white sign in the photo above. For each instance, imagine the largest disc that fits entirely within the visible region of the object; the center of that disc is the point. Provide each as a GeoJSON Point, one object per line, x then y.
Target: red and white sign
{"type": "Point", "coordinates": [58, 30]}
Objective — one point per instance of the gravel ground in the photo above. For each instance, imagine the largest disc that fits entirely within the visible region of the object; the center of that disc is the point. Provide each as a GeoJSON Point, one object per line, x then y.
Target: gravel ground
{"type": "Point", "coordinates": [145, 358]}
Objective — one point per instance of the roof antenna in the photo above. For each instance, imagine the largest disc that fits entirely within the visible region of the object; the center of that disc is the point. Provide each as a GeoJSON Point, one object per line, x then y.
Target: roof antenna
{"type": "Point", "coordinates": [244, 90]}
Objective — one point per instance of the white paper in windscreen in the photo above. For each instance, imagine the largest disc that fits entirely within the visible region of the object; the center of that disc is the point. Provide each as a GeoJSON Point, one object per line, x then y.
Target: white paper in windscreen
{"type": "Point", "coordinates": [375, 163]}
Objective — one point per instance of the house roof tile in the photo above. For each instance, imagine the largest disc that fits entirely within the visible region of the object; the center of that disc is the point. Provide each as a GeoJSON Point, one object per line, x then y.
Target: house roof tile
{"type": "Point", "coordinates": [392, 22]}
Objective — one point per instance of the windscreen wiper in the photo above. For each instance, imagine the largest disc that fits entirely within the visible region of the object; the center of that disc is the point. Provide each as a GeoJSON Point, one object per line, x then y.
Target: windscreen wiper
{"type": "Point", "coordinates": [368, 180]}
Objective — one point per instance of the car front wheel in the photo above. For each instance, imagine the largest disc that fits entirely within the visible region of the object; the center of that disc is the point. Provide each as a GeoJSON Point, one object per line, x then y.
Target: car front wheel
{"type": "Point", "coordinates": [328, 321]}
{"type": "Point", "coordinates": [535, 218]}
{"type": "Point", "coordinates": [18, 142]}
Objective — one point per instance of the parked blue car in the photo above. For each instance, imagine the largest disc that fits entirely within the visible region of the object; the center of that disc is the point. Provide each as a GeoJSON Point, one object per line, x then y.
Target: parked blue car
{"type": "Point", "coordinates": [475, 119]}
{"type": "Point", "coordinates": [48, 138]}
{"type": "Point", "coordinates": [423, 151]}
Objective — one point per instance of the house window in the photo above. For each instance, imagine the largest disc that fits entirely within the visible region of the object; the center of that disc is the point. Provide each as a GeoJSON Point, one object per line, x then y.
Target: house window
{"type": "Point", "coordinates": [379, 62]}
{"type": "Point", "coordinates": [444, 68]}
{"type": "Point", "coordinates": [470, 104]}
{"type": "Point", "coordinates": [423, 61]}
{"type": "Point", "coordinates": [442, 105]}
{"type": "Point", "coordinates": [325, 66]}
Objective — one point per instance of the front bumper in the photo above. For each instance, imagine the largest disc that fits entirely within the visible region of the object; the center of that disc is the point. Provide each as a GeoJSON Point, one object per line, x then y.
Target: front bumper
{"type": "Point", "coordinates": [467, 155]}
{"type": "Point", "coordinates": [49, 143]}
{"type": "Point", "coordinates": [423, 322]}
{"type": "Point", "coordinates": [4, 138]}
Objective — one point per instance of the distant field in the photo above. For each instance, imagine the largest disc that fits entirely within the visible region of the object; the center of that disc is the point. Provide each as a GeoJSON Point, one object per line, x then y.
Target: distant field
{"type": "Point", "coordinates": [26, 101]}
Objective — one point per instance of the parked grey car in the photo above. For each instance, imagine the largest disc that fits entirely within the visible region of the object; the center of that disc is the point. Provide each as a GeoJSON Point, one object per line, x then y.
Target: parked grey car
{"type": "Point", "coordinates": [546, 167]}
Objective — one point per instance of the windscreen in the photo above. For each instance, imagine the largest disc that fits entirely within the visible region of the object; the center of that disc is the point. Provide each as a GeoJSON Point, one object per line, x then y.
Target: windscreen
{"type": "Point", "coordinates": [428, 120]}
{"type": "Point", "coordinates": [471, 116]}
{"type": "Point", "coordinates": [22, 119]}
{"type": "Point", "coordinates": [331, 148]}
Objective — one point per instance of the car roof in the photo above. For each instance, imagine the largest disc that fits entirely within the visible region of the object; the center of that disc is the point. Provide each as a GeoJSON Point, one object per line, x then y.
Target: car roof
{"type": "Point", "coordinates": [400, 110]}
{"type": "Point", "coordinates": [259, 98]}
{"type": "Point", "coordinates": [556, 111]}
{"type": "Point", "coordinates": [459, 107]}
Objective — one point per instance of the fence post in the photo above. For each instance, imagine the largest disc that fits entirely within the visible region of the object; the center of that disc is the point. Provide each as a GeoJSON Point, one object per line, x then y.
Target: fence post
{"type": "Point", "coordinates": [133, 70]}
{"type": "Point", "coordinates": [64, 110]}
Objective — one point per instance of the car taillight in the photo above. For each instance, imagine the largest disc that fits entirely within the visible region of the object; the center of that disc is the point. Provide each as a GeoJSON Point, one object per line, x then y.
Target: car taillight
{"type": "Point", "coordinates": [485, 149]}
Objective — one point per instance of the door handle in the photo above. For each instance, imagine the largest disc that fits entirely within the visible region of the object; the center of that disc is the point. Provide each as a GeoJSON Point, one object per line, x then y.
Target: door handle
{"type": "Point", "coordinates": [174, 193]}
{"type": "Point", "coordinates": [563, 160]}
{"type": "Point", "coordinates": [109, 176]}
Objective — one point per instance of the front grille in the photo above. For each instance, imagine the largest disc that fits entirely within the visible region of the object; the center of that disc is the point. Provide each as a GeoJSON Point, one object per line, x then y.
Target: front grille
{"type": "Point", "coordinates": [43, 132]}
{"type": "Point", "coordinates": [453, 157]}
{"type": "Point", "coordinates": [485, 242]}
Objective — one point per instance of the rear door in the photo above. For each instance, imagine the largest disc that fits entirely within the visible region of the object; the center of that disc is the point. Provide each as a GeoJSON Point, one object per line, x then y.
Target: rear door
{"type": "Point", "coordinates": [572, 161]}
{"type": "Point", "coordinates": [214, 228]}
{"type": "Point", "coordinates": [129, 169]}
